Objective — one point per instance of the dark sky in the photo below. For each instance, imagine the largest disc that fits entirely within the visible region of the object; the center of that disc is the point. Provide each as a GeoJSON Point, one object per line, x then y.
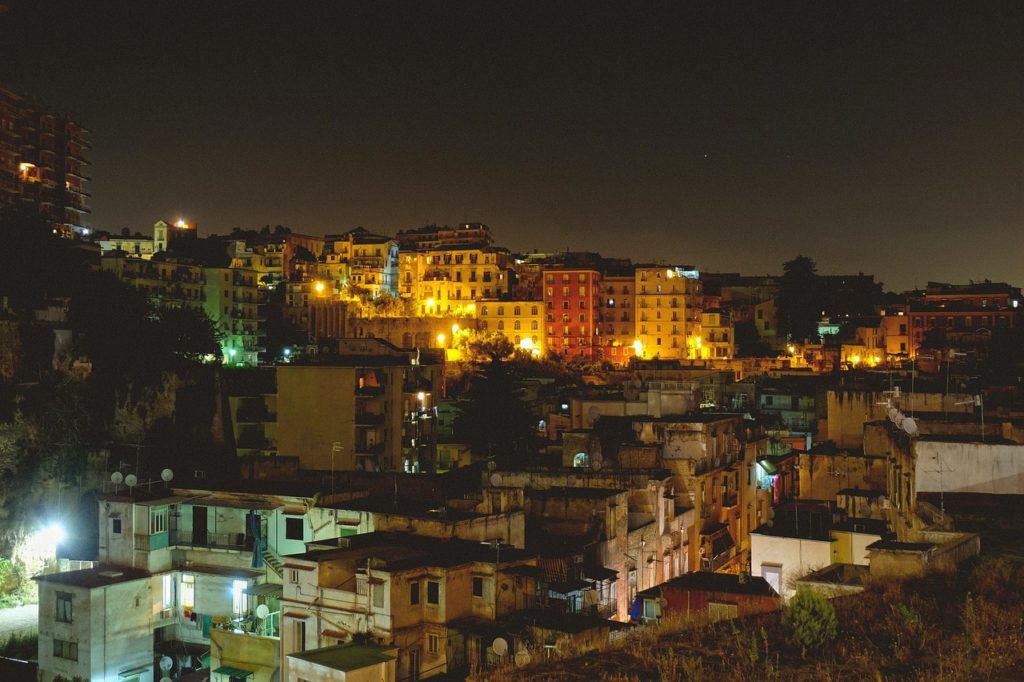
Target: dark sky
{"type": "Point", "coordinates": [885, 138]}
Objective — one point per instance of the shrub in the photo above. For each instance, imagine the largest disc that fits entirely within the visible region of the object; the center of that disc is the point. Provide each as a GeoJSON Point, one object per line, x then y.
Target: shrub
{"type": "Point", "coordinates": [810, 620]}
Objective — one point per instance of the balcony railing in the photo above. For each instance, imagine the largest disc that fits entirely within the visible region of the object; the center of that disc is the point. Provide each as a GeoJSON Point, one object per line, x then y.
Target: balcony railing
{"type": "Point", "coordinates": [235, 541]}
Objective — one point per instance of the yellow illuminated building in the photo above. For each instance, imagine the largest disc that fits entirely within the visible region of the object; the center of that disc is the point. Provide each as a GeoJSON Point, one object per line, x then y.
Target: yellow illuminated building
{"type": "Point", "coordinates": [718, 339]}
{"type": "Point", "coordinates": [521, 322]}
{"type": "Point", "coordinates": [453, 277]}
{"type": "Point", "coordinates": [668, 307]}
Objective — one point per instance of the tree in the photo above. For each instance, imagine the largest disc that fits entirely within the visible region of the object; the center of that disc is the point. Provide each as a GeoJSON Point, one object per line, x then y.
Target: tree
{"type": "Point", "coordinates": [810, 619]}
{"type": "Point", "coordinates": [488, 347]}
{"type": "Point", "coordinates": [799, 300]}
{"type": "Point", "coordinates": [495, 420]}
{"type": "Point", "coordinates": [188, 333]}
{"type": "Point", "coordinates": [749, 343]}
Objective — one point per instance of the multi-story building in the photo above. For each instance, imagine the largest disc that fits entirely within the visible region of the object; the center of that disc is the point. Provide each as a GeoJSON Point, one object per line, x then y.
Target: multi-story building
{"type": "Point", "coordinates": [228, 294]}
{"type": "Point", "coordinates": [166, 234]}
{"type": "Point", "coordinates": [717, 340]}
{"type": "Point", "coordinates": [368, 408]}
{"type": "Point", "coordinates": [522, 322]}
{"type": "Point", "coordinates": [232, 300]}
{"type": "Point", "coordinates": [418, 594]}
{"type": "Point", "coordinates": [668, 303]}
{"type": "Point", "coordinates": [572, 312]}
{"type": "Point", "coordinates": [434, 237]}
{"type": "Point", "coordinates": [362, 259]}
{"type": "Point", "coordinates": [177, 568]}
{"type": "Point", "coordinates": [42, 163]}
{"type": "Point", "coordinates": [136, 246]}
{"type": "Point", "coordinates": [447, 280]}
{"type": "Point", "coordinates": [618, 323]}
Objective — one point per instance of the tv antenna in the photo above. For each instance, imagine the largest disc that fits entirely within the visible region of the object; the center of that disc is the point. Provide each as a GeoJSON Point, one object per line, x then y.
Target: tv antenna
{"type": "Point", "coordinates": [978, 401]}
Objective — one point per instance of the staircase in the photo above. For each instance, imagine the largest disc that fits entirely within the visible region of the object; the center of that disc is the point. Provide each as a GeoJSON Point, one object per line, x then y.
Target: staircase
{"type": "Point", "coordinates": [273, 560]}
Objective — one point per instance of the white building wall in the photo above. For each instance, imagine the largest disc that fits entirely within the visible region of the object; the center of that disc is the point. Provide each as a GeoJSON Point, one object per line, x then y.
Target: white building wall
{"type": "Point", "coordinates": [995, 469]}
{"type": "Point", "coordinates": [795, 556]}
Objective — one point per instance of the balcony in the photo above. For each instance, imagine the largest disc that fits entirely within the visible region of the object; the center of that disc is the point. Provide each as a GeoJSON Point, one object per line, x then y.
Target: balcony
{"type": "Point", "coordinates": [368, 419]}
{"type": "Point", "coordinates": [233, 541]}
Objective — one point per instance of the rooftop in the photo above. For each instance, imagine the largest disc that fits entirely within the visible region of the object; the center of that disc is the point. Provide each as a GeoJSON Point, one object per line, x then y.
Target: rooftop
{"type": "Point", "coordinates": [346, 657]}
{"type": "Point", "coordinates": [716, 582]}
{"type": "Point", "coordinates": [98, 576]}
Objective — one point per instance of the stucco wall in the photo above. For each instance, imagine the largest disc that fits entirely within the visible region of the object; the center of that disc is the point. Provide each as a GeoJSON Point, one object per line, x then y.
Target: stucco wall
{"type": "Point", "coordinates": [969, 468]}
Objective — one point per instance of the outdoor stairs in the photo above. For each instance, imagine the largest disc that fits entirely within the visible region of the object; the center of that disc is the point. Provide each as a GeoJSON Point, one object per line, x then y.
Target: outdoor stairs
{"type": "Point", "coordinates": [273, 560]}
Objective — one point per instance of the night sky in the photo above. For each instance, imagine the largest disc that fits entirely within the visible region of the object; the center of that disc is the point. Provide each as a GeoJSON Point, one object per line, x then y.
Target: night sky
{"type": "Point", "coordinates": [886, 138]}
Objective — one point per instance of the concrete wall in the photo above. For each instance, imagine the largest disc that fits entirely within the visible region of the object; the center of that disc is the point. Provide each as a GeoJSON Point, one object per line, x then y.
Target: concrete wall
{"type": "Point", "coordinates": [796, 557]}
{"type": "Point", "coordinates": [995, 469]}
{"type": "Point", "coordinates": [113, 626]}
{"type": "Point", "coordinates": [247, 652]}
{"type": "Point", "coordinates": [315, 409]}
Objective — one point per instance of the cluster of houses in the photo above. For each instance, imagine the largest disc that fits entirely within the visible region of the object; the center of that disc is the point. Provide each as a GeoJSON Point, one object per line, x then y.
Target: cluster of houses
{"type": "Point", "coordinates": [347, 549]}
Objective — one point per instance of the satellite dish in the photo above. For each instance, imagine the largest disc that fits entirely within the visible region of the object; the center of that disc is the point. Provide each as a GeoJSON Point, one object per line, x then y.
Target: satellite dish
{"type": "Point", "coordinates": [596, 461]}
{"type": "Point", "coordinates": [262, 611]}
{"type": "Point", "coordinates": [522, 657]}
{"type": "Point", "coordinates": [166, 663]}
{"type": "Point", "coordinates": [116, 478]}
{"type": "Point", "coordinates": [910, 426]}
{"type": "Point", "coordinates": [499, 646]}
{"type": "Point", "coordinates": [495, 479]}
{"type": "Point", "coordinates": [130, 480]}
{"type": "Point", "coordinates": [166, 475]}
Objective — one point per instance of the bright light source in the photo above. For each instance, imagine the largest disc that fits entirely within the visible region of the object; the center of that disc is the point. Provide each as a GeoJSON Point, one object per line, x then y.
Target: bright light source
{"type": "Point", "coordinates": [181, 223]}
{"type": "Point", "coordinates": [638, 347]}
{"type": "Point", "coordinates": [441, 338]}
{"type": "Point", "coordinates": [455, 329]}
{"type": "Point", "coordinates": [319, 286]}
{"type": "Point", "coordinates": [855, 359]}
{"type": "Point", "coordinates": [430, 302]}
{"type": "Point", "coordinates": [526, 344]}
{"type": "Point", "coordinates": [421, 396]}
{"type": "Point", "coordinates": [791, 348]}
{"type": "Point", "coordinates": [43, 543]}
{"type": "Point", "coordinates": [286, 352]}
{"type": "Point", "coordinates": [231, 353]}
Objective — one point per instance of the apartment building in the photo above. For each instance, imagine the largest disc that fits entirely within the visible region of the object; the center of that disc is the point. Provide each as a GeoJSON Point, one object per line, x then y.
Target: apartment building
{"type": "Point", "coordinates": [364, 260]}
{"type": "Point", "coordinates": [521, 322]}
{"type": "Point", "coordinates": [369, 407]}
{"type": "Point", "coordinates": [618, 318]}
{"type": "Point", "coordinates": [572, 312]}
{"type": "Point", "coordinates": [405, 590]}
{"type": "Point", "coordinates": [43, 163]}
{"type": "Point", "coordinates": [177, 568]}
{"type": "Point", "coordinates": [668, 308]}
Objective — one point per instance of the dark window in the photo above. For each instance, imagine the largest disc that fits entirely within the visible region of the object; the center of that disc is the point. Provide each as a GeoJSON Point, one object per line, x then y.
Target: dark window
{"type": "Point", "coordinates": [115, 526]}
{"type": "Point", "coordinates": [64, 649]}
{"type": "Point", "coordinates": [414, 593]}
{"type": "Point", "coordinates": [293, 529]}
{"type": "Point", "coordinates": [433, 592]}
{"type": "Point", "coordinates": [478, 586]}
{"type": "Point", "coordinates": [63, 607]}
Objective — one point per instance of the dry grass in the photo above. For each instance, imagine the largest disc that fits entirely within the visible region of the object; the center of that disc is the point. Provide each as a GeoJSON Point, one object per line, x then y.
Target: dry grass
{"type": "Point", "coordinates": [942, 628]}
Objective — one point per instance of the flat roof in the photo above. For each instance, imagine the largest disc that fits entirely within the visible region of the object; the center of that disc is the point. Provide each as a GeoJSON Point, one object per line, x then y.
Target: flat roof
{"type": "Point", "coordinates": [98, 576]}
{"type": "Point", "coordinates": [716, 582]}
{"type": "Point", "coordinates": [345, 657]}
{"type": "Point", "coordinates": [581, 493]}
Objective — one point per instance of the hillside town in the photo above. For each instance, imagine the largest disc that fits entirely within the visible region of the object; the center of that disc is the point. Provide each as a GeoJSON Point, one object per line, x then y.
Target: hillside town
{"type": "Point", "coordinates": [412, 453]}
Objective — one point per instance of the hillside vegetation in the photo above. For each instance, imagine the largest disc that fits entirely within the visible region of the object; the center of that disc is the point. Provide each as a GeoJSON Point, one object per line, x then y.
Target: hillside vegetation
{"type": "Point", "coordinates": [958, 627]}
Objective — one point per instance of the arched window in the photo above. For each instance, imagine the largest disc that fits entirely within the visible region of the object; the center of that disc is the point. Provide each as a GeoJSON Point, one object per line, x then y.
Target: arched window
{"type": "Point", "coordinates": [515, 325]}
{"type": "Point", "coordinates": [483, 310]}
{"type": "Point", "coordinates": [533, 325]}
{"type": "Point", "coordinates": [501, 310]}
{"type": "Point", "coordinates": [516, 311]}
{"type": "Point", "coordinates": [501, 324]}
{"type": "Point", "coordinates": [533, 310]}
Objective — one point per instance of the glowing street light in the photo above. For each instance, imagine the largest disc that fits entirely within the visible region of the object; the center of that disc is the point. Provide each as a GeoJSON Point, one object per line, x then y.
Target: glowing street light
{"type": "Point", "coordinates": [455, 329]}
{"type": "Point", "coordinates": [441, 338]}
{"type": "Point", "coordinates": [638, 348]}
{"type": "Point", "coordinates": [319, 287]}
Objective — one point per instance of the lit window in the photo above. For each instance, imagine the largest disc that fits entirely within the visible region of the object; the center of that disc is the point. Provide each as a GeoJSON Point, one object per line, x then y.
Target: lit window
{"type": "Point", "coordinates": [188, 591]}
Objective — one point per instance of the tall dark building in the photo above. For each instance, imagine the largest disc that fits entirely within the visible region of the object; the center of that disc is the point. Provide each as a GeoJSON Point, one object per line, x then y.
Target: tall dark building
{"type": "Point", "coordinates": [42, 163]}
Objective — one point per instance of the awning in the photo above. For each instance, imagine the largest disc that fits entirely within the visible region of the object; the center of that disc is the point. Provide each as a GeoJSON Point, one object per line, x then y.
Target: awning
{"type": "Point", "coordinates": [722, 544]}
{"type": "Point", "coordinates": [599, 573]}
{"type": "Point", "coordinates": [233, 672]}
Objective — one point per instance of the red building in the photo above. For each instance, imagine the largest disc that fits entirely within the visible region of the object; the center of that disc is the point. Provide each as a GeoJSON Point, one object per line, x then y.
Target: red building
{"type": "Point", "coordinates": [718, 596]}
{"type": "Point", "coordinates": [572, 312]}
